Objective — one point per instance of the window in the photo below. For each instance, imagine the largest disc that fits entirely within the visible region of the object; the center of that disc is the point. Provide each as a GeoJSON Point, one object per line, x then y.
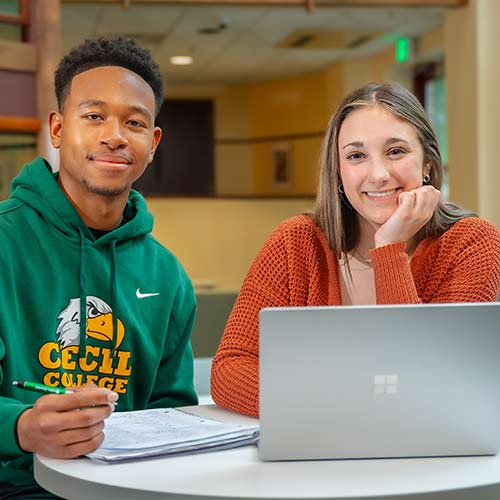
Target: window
{"type": "Point", "coordinates": [14, 20]}
{"type": "Point", "coordinates": [430, 88]}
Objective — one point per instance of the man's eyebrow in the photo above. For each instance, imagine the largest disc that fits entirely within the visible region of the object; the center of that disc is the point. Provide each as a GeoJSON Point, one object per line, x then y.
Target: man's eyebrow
{"type": "Point", "coordinates": [91, 102]}
{"type": "Point", "coordinates": [356, 144]}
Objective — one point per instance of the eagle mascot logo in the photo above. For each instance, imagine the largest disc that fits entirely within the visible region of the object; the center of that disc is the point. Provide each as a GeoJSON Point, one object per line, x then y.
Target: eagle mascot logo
{"type": "Point", "coordinates": [99, 323]}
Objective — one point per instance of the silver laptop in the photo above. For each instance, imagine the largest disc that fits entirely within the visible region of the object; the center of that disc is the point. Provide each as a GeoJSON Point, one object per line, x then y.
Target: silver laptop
{"type": "Point", "coordinates": [379, 381]}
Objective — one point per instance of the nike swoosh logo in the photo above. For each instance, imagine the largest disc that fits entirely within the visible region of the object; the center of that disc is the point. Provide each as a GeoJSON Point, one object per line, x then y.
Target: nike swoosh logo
{"type": "Point", "coordinates": [140, 295]}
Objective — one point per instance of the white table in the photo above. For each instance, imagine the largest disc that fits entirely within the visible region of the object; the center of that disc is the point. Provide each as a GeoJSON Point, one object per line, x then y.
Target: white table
{"type": "Point", "coordinates": [238, 474]}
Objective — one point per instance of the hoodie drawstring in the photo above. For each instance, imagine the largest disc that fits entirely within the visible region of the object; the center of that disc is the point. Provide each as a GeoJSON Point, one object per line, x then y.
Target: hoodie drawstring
{"type": "Point", "coordinates": [113, 287]}
{"type": "Point", "coordinates": [83, 297]}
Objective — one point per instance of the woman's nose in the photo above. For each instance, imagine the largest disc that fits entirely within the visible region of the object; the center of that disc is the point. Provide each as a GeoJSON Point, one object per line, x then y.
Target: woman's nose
{"type": "Point", "coordinates": [379, 172]}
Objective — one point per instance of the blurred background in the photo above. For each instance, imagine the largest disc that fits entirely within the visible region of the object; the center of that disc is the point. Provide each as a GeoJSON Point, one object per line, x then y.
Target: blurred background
{"type": "Point", "coordinates": [250, 87]}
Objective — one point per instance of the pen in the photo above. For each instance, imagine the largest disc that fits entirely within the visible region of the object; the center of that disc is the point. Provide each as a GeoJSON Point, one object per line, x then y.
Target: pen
{"type": "Point", "coordinates": [44, 389]}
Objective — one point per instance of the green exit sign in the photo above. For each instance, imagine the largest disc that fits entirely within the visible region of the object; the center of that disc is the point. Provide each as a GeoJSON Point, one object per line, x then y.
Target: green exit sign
{"type": "Point", "coordinates": [402, 49]}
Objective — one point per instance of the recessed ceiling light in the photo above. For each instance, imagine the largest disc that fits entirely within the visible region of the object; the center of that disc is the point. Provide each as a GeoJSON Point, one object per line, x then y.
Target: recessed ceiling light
{"type": "Point", "coordinates": [181, 60]}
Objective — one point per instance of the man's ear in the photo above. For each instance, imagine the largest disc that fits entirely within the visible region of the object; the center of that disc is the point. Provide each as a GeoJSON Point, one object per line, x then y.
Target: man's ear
{"type": "Point", "coordinates": [156, 140]}
{"type": "Point", "coordinates": [55, 127]}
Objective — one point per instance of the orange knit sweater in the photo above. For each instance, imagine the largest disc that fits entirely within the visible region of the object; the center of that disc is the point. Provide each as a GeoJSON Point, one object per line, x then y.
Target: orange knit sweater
{"type": "Point", "coordinates": [297, 268]}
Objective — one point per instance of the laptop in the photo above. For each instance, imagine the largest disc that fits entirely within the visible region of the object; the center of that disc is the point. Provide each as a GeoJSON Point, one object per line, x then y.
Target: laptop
{"type": "Point", "coordinates": [379, 381]}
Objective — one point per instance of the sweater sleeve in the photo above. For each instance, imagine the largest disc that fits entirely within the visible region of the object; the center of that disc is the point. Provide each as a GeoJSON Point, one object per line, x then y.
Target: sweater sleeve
{"type": "Point", "coordinates": [468, 269]}
{"type": "Point", "coordinates": [10, 410]}
{"type": "Point", "coordinates": [235, 368]}
{"type": "Point", "coordinates": [462, 265]}
{"type": "Point", "coordinates": [394, 282]}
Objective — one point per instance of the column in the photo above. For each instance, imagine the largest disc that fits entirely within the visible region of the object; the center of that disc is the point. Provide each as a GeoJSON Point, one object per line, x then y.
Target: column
{"type": "Point", "coordinates": [47, 35]}
{"type": "Point", "coordinates": [472, 43]}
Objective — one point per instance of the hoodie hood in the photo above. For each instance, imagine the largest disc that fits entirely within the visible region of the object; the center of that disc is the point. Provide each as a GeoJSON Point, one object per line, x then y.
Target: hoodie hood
{"type": "Point", "coordinates": [37, 186]}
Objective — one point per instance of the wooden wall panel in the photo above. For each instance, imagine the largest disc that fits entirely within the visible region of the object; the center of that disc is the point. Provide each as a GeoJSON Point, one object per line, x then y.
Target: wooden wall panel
{"type": "Point", "coordinates": [17, 56]}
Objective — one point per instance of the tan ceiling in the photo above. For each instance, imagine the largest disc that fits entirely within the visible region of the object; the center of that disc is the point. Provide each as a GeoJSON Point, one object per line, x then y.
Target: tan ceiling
{"type": "Point", "coordinates": [252, 46]}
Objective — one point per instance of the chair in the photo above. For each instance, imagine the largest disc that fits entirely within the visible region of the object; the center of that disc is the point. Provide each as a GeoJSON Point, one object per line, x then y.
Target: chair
{"type": "Point", "coordinates": [213, 309]}
{"type": "Point", "coordinates": [202, 367]}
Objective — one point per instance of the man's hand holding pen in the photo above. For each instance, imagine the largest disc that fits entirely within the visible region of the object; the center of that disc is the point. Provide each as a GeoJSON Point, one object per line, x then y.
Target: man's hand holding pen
{"type": "Point", "coordinates": [66, 425]}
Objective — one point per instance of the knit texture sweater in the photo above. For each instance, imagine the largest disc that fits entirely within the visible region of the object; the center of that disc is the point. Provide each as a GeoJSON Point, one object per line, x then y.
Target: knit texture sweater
{"type": "Point", "coordinates": [296, 267]}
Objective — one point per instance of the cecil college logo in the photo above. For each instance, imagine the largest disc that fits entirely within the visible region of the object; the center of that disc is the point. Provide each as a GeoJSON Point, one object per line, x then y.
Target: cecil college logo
{"type": "Point", "coordinates": [103, 363]}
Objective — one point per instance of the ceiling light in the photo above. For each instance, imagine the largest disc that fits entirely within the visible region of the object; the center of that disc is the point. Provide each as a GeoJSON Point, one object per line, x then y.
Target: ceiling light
{"type": "Point", "coordinates": [181, 60]}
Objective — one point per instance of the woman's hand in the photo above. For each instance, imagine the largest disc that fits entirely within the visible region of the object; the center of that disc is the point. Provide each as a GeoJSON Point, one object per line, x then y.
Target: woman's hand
{"type": "Point", "coordinates": [414, 211]}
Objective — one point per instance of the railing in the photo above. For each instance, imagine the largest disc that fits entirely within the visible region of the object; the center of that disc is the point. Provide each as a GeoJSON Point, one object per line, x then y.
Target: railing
{"type": "Point", "coordinates": [19, 124]}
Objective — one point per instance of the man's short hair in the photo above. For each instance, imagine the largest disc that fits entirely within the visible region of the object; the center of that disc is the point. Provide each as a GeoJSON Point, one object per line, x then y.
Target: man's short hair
{"type": "Point", "coordinates": [104, 51]}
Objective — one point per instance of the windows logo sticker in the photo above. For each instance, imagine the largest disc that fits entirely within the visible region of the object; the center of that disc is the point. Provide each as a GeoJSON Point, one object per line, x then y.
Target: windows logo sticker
{"type": "Point", "coordinates": [385, 384]}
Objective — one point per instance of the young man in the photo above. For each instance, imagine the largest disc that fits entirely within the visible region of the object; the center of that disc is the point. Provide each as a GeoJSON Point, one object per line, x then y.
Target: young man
{"type": "Point", "coordinates": [87, 295]}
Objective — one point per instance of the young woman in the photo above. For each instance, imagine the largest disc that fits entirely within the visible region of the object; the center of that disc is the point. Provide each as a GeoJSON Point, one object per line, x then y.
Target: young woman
{"type": "Point", "coordinates": [379, 235]}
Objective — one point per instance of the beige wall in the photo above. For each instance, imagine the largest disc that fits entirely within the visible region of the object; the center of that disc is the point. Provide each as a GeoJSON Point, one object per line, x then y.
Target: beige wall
{"type": "Point", "coordinates": [289, 106]}
{"type": "Point", "coordinates": [251, 121]}
{"type": "Point", "coordinates": [215, 239]}
{"type": "Point", "coordinates": [460, 50]}
{"type": "Point", "coordinates": [233, 156]}
{"type": "Point", "coordinates": [292, 111]}
{"type": "Point", "coordinates": [334, 86]}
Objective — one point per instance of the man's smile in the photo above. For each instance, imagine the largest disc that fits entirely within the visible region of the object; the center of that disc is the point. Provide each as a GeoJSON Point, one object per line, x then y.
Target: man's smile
{"type": "Point", "coordinates": [113, 162]}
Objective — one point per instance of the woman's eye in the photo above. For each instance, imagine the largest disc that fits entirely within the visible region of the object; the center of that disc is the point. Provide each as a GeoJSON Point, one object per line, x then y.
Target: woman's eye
{"type": "Point", "coordinates": [355, 156]}
{"type": "Point", "coordinates": [395, 152]}
{"type": "Point", "coordinates": [93, 117]}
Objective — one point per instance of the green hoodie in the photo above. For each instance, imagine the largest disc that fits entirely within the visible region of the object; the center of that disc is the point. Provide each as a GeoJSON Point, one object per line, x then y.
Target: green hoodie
{"type": "Point", "coordinates": [138, 303]}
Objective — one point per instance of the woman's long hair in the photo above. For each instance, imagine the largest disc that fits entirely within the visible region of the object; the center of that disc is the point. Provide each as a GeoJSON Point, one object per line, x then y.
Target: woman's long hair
{"type": "Point", "coordinates": [333, 212]}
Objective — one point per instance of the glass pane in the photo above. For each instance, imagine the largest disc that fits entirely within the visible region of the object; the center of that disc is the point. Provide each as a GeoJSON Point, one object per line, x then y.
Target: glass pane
{"type": "Point", "coordinates": [11, 32]}
{"type": "Point", "coordinates": [11, 7]}
{"type": "Point", "coordinates": [15, 151]}
{"type": "Point", "coordinates": [435, 105]}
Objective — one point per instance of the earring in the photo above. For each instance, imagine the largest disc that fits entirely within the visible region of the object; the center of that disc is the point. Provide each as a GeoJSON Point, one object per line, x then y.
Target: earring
{"type": "Point", "coordinates": [426, 179]}
{"type": "Point", "coordinates": [343, 198]}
